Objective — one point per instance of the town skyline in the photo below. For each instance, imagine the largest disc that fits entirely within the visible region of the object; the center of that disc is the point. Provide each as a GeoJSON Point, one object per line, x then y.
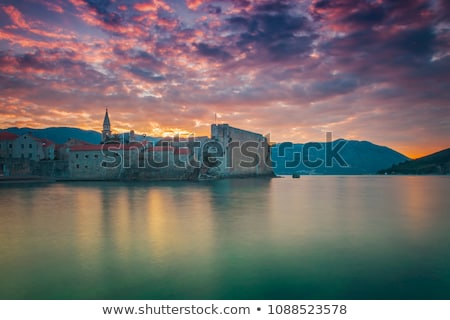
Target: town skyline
{"type": "Point", "coordinates": [363, 70]}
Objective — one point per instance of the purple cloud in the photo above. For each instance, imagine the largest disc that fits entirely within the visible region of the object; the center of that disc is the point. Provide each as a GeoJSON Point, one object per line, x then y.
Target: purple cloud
{"type": "Point", "coordinates": [369, 70]}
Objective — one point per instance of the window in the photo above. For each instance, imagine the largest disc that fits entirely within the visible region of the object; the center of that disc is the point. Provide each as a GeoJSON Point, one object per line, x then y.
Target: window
{"type": "Point", "coordinates": [22, 146]}
{"type": "Point", "coordinates": [78, 166]}
{"type": "Point", "coordinates": [30, 155]}
{"type": "Point", "coordinates": [96, 156]}
{"type": "Point", "coordinates": [85, 167]}
{"type": "Point", "coordinates": [10, 145]}
{"type": "Point", "coordinates": [86, 156]}
{"type": "Point", "coordinates": [76, 155]}
{"type": "Point", "coordinates": [30, 146]}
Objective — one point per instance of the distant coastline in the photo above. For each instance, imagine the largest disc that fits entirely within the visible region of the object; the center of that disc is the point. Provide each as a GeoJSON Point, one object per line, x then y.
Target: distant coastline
{"type": "Point", "coordinates": [58, 161]}
{"type": "Point", "coordinates": [437, 163]}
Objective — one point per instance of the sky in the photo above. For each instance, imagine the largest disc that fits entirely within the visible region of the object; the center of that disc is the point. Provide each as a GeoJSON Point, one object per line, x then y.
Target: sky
{"type": "Point", "coordinates": [376, 70]}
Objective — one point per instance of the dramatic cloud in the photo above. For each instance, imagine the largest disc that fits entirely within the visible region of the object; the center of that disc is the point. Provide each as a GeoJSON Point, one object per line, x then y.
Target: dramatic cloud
{"type": "Point", "coordinates": [212, 51]}
{"type": "Point", "coordinates": [363, 69]}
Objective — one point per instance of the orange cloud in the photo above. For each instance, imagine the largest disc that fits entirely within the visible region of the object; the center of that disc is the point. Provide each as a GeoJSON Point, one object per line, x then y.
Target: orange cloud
{"type": "Point", "coordinates": [16, 17]}
{"type": "Point", "coordinates": [53, 7]}
{"type": "Point", "coordinates": [152, 6]}
{"type": "Point", "coordinates": [193, 4]}
{"type": "Point", "coordinates": [19, 21]}
{"type": "Point", "coordinates": [144, 7]}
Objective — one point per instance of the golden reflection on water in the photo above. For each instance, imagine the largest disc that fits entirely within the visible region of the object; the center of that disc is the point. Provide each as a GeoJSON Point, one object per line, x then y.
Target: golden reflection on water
{"type": "Point", "coordinates": [212, 237]}
{"type": "Point", "coordinates": [418, 206]}
{"type": "Point", "coordinates": [121, 222]}
{"type": "Point", "coordinates": [162, 232]}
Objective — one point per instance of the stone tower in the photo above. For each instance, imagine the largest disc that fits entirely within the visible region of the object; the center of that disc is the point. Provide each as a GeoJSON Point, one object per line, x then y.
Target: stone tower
{"type": "Point", "coordinates": [106, 132]}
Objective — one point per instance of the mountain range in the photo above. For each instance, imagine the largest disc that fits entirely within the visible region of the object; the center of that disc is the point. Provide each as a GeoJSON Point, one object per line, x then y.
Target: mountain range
{"type": "Point", "coordinates": [337, 157]}
{"type": "Point", "coordinates": [59, 135]}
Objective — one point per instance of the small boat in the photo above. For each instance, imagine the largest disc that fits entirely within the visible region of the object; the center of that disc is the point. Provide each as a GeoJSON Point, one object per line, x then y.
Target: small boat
{"type": "Point", "coordinates": [296, 175]}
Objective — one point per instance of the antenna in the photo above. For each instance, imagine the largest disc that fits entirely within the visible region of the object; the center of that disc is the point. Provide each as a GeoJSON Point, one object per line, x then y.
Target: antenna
{"type": "Point", "coordinates": [215, 118]}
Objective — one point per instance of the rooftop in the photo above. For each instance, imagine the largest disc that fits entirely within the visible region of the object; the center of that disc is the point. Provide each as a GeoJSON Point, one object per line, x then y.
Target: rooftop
{"type": "Point", "coordinates": [8, 136]}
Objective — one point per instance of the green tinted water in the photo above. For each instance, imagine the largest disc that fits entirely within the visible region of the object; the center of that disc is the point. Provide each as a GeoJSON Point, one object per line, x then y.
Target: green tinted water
{"type": "Point", "coordinates": [318, 237]}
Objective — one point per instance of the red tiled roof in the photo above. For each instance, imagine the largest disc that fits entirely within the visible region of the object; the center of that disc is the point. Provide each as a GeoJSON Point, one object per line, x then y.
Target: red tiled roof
{"type": "Point", "coordinates": [75, 142]}
{"type": "Point", "coordinates": [88, 147]}
{"type": "Point", "coordinates": [8, 136]}
{"type": "Point", "coordinates": [182, 151]}
{"type": "Point", "coordinates": [162, 148]}
{"type": "Point", "coordinates": [46, 142]}
{"type": "Point", "coordinates": [106, 147]}
{"type": "Point", "coordinates": [126, 147]}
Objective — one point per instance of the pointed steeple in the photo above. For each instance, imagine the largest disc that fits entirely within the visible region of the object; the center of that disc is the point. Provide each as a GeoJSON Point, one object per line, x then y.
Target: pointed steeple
{"type": "Point", "coordinates": [106, 123]}
{"type": "Point", "coordinates": [106, 132]}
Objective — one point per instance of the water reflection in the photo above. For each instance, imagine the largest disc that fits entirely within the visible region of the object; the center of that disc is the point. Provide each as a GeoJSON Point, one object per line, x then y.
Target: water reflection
{"type": "Point", "coordinates": [315, 237]}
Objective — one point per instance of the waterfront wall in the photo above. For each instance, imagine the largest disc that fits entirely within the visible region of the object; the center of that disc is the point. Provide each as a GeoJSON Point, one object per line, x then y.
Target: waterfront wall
{"type": "Point", "coordinates": [57, 169]}
{"type": "Point", "coordinates": [118, 163]}
{"type": "Point", "coordinates": [15, 167]}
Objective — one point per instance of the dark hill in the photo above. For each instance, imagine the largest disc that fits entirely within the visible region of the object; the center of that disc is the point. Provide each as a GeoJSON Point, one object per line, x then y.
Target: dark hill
{"type": "Point", "coordinates": [351, 157]}
{"type": "Point", "coordinates": [59, 134]}
{"type": "Point", "coordinates": [436, 163]}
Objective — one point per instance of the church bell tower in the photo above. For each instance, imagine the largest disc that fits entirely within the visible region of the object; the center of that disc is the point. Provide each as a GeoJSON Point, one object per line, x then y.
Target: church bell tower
{"type": "Point", "coordinates": [106, 132]}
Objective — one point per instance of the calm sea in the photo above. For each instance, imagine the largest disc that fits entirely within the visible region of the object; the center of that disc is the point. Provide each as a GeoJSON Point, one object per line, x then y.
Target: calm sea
{"type": "Point", "coordinates": [318, 237]}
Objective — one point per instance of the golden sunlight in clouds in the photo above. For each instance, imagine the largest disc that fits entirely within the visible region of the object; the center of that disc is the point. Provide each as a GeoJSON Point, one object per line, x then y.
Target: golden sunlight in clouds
{"type": "Point", "coordinates": [290, 68]}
